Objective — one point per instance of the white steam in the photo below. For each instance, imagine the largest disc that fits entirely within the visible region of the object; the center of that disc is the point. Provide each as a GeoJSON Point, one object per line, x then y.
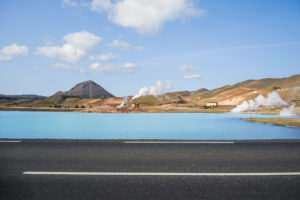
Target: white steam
{"type": "Point", "coordinates": [273, 100]}
{"type": "Point", "coordinates": [159, 89]}
{"type": "Point", "coordinates": [125, 100]}
{"type": "Point", "coordinates": [288, 111]}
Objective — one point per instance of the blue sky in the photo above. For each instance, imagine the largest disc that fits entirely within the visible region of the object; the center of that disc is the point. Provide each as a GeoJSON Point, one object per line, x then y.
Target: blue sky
{"type": "Point", "coordinates": [124, 45]}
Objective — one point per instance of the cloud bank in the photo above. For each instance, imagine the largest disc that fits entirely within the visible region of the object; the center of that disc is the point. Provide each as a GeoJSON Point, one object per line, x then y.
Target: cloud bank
{"type": "Point", "coordinates": [76, 48]}
{"type": "Point", "coordinates": [145, 16]}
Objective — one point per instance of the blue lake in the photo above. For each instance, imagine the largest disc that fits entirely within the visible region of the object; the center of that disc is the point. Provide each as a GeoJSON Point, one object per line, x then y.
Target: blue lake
{"type": "Point", "coordinates": [189, 126]}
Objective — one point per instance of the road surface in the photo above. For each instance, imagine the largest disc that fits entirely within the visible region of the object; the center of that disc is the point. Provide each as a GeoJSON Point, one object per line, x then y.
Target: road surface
{"type": "Point", "coordinates": [95, 169]}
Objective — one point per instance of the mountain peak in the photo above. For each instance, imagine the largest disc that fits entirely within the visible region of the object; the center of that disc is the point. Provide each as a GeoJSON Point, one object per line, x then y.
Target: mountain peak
{"type": "Point", "coordinates": [87, 89]}
{"type": "Point", "coordinates": [88, 81]}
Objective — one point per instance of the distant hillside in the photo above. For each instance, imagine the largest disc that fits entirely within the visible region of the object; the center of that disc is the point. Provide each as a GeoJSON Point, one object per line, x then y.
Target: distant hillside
{"type": "Point", "coordinates": [269, 83]}
{"type": "Point", "coordinates": [22, 96]}
{"type": "Point", "coordinates": [59, 93]}
{"type": "Point", "coordinates": [229, 95]}
{"type": "Point", "coordinates": [237, 93]}
{"type": "Point", "coordinates": [263, 84]}
{"type": "Point", "coordinates": [87, 89]}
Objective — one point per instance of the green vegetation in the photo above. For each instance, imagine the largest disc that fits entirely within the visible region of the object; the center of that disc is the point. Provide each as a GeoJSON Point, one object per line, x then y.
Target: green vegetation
{"type": "Point", "coordinates": [82, 106]}
{"type": "Point", "coordinates": [76, 106]}
{"type": "Point", "coordinates": [209, 107]}
{"type": "Point", "coordinates": [10, 101]}
{"type": "Point", "coordinates": [46, 102]}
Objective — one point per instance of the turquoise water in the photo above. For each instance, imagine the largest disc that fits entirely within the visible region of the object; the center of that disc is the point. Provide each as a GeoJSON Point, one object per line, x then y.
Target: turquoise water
{"type": "Point", "coordinates": [188, 126]}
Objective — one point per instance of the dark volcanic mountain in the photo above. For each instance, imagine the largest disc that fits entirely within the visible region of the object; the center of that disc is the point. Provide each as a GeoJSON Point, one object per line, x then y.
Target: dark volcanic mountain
{"type": "Point", "coordinates": [87, 89]}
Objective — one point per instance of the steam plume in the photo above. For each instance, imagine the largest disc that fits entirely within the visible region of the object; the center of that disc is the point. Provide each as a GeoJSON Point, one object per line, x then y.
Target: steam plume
{"type": "Point", "coordinates": [288, 111]}
{"type": "Point", "coordinates": [125, 100]}
{"type": "Point", "coordinates": [159, 89]}
{"type": "Point", "coordinates": [273, 100]}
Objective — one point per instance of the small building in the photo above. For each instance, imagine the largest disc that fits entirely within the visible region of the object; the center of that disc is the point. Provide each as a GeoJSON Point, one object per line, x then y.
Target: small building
{"type": "Point", "coordinates": [276, 88]}
{"type": "Point", "coordinates": [212, 104]}
{"type": "Point", "coordinates": [135, 105]}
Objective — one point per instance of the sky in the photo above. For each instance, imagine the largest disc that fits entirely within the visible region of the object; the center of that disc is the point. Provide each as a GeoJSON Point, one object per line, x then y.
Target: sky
{"type": "Point", "coordinates": [125, 45]}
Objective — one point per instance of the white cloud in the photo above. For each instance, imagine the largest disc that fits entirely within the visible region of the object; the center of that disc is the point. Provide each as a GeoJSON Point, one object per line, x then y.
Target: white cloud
{"type": "Point", "coordinates": [83, 39]}
{"type": "Point", "coordinates": [125, 45]}
{"type": "Point", "coordinates": [8, 52]}
{"type": "Point", "coordinates": [69, 2]}
{"type": "Point", "coordinates": [65, 67]}
{"type": "Point", "coordinates": [76, 48]}
{"type": "Point", "coordinates": [103, 57]}
{"type": "Point", "coordinates": [187, 68]}
{"type": "Point", "coordinates": [194, 76]}
{"type": "Point", "coordinates": [14, 50]}
{"type": "Point", "coordinates": [146, 16]}
{"type": "Point", "coordinates": [141, 48]}
{"type": "Point", "coordinates": [5, 57]}
{"type": "Point", "coordinates": [127, 67]}
{"type": "Point", "coordinates": [119, 43]}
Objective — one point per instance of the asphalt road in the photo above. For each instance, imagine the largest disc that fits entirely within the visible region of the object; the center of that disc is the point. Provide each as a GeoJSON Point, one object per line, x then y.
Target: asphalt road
{"type": "Point", "coordinates": [198, 166]}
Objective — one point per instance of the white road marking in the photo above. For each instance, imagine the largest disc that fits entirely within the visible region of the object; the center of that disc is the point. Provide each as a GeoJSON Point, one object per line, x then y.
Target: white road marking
{"type": "Point", "coordinates": [162, 174]}
{"type": "Point", "coordinates": [175, 142]}
{"type": "Point", "coordinates": [10, 141]}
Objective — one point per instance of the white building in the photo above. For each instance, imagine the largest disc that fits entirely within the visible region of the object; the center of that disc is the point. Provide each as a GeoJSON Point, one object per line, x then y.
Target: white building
{"type": "Point", "coordinates": [212, 104]}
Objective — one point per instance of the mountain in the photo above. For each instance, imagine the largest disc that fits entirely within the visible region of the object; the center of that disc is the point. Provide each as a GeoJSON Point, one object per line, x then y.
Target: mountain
{"type": "Point", "coordinates": [87, 89]}
{"type": "Point", "coordinates": [22, 96]}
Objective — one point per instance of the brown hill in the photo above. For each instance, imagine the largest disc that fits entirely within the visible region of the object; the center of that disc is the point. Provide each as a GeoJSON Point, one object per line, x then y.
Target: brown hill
{"type": "Point", "coordinates": [87, 89]}
{"type": "Point", "coordinates": [229, 95]}
{"type": "Point", "coordinates": [237, 93]}
{"type": "Point", "coordinates": [263, 84]}
{"type": "Point", "coordinates": [270, 83]}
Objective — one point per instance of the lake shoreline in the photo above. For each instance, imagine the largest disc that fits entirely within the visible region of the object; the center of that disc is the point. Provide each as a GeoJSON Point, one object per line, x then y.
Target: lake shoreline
{"type": "Point", "coordinates": [288, 122]}
{"type": "Point", "coordinates": [142, 110]}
